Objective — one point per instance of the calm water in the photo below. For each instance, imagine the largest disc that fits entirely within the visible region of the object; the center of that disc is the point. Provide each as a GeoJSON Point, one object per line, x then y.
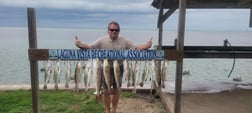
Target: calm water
{"type": "Point", "coordinates": [15, 64]}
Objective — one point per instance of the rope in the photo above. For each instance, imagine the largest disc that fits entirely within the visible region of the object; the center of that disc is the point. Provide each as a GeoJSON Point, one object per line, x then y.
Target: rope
{"type": "Point", "coordinates": [233, 59]}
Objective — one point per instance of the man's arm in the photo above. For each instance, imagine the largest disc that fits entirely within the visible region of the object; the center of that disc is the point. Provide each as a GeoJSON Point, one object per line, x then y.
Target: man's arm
{"type": "Point", "coordinates": [81, 45]}
{"type": "Point", "coordinates": [145, 46]}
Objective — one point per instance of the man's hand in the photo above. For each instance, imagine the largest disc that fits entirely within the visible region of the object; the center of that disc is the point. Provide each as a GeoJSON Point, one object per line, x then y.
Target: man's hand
{"type": "Point", "coordinates": [81, 45]}
{"type": "Point", "coordinates": [77, 41]}
{"type": "Point", "coordinates": [149, 42]}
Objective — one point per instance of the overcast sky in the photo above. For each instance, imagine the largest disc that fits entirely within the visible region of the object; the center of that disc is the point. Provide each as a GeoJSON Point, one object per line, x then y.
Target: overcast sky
{"type": "Point", "coordinates": [131, 14]}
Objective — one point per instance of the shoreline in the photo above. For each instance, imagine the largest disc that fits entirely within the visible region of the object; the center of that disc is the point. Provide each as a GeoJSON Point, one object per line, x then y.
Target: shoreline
{"type": "Point", "coordinates": [61, 87]}
{"type": "Point", "coordinates": [146, 87]}
{"type": "Point", "coordinates": [237, 100]}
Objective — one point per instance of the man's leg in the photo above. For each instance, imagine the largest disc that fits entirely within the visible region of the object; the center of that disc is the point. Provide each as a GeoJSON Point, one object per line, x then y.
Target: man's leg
{"type": "Point", "coordinates": [116, 93]}
{"type": "Point", "coordinates": [107, 100]}
{"type": "Point", "coordinates": [115, 99]}
{"type": "Point", "coordinates": [106, 95]}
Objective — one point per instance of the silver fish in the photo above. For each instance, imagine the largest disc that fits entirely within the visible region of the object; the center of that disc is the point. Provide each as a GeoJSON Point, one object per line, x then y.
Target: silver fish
{"type": "Point", "coordinates": [48, 73]}
{"type": "Point", "coordinates": [87, 74]}
{"type": "Point", "coordinates": [106, 73]}
{"type": "Point", "coordinates": [164, 73]}
{"type": "Point", "coordinates": [126, 72]}
{"type": "Point", "coordinates": [57, 73]}
{"type": "Point", "coordinates": [98, 74]}
{"type": "Point", "coordinates": [144, 74]}
{"type": "Point", "coordinates": [68, 73]}
{"type": "Point", "coordinates": [137, 74]}
{"type": "Point", "coordinates": [131, 75]}
{"type": "Point", "coordinates": [155, 73]}
{"type": "Point", "coordinates": [117, 74]}
{"type": "Point", "coordinates": [77, 75]}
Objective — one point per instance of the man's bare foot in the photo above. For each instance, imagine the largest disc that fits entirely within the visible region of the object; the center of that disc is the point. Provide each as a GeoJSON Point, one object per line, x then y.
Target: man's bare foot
{"type": "Point", "coordinates": [108, 111]}
{"type": "Point", "coordinates": [113, 110]}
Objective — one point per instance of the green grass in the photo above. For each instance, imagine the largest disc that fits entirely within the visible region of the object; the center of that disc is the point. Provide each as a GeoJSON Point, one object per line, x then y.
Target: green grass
{"type": "Point", "coordinates": [20, 101]}
{"type": "Point", "coordinates": [52, 101]}
{"type": "Point", "coordinates": [129, 95]}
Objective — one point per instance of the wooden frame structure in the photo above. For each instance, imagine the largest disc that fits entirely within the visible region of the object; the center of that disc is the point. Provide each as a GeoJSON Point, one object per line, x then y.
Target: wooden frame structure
{"type": "Point", "coordinates": [177, 52]}
{"type": "Point", "coordinates": [36, 54]}
{"type": "Point", "coordinates": [33, 63]}
{"type": "Point", "coordinates": [200, 51]}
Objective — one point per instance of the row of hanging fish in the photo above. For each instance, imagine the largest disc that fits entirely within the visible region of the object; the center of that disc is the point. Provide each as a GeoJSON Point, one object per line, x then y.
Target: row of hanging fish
{"type": "Point", "coordinates": [134, 73]}
{"type": "Point", "coordinates": [56, 71]}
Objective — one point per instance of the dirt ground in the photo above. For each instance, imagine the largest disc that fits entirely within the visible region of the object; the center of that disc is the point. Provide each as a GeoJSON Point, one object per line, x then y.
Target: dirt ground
{"type": "Point", "coordinates": [144, 103]}
{"type": "Point", "coordinates": [235, 101]}
{"type": "Point", "coordinates": [140, 104]}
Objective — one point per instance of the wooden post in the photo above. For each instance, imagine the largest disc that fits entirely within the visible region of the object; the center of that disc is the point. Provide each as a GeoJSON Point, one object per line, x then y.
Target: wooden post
{"type": "Point", "coordinates": [160, 38]}
{"type": "Point", "coordinates": [180, 48]}
{"type": "Point", "coordinates": [33, 63]}
{"type": "Point", "coordinates": [250, 19]}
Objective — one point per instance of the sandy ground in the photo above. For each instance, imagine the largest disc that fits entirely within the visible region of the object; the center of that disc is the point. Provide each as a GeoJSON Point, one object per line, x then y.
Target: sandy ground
{"type": "Point", "coordinates": [141, 104]}
{"type": "Point", "coordinates": [235, 101]}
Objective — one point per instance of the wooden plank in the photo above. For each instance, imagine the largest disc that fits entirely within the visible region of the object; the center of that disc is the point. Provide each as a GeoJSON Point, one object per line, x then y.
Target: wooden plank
{"type": "Point", "coordinates": [168, 14]}
{"type": "Point", "coordinates": [205, 4]}
{"type": "Point", "coordinates": [160, 16]}
{"type": "Point", "coordinates": [180, 48]}
{"type": "Point", "coordinates": [160, 38]}
{"type": "Point", "coordinates": [211, 48]}
{"type": "Point", "coordinates": [250, 17]}
{"type": "Point", "coordinates": [170, 54]}
{"type": "Point", "coordinates": [77, 54]}
{"type": "Point", "coordinates": [167, 103]}
{"type": "Point", "coordinates": [33, 64]}
{"type": "Point", "coordinates": [217, 54]}
{"type": "Point", "coordinates": [212, 52]}
{"type": "Point", "coordinates": [238, 4]}
{"type": "Point", "coordinates": [38, 54]}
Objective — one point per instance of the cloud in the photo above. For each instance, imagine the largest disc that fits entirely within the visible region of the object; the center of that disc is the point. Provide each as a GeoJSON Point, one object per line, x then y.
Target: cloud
{"type": "Point", "coordinates": [131, 14]}
{"type": "Point", "coordinates": [90, 5]}
{"type": "Point", "coordinates": [82, 13]}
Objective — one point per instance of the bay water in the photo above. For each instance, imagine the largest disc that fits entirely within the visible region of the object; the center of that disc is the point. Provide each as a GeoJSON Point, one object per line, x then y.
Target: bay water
{"type": "Point", "coordinates": [15, 67]}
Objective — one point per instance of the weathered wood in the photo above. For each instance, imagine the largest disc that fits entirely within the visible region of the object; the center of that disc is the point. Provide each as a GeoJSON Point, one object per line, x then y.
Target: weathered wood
{"type": "Point", "coordinates": [250, 19]}
{"type": "Point", "coordinates": [33, 63]}
{"type": "Point", "coordinates": [167, 103]}
{"type": "Point", "coordinates": [160, 16]}
{"type": "Point", "coordinates": [208, 52]}
{"type": "Point", "coordinates": [77, 54]}
{"type": "Point", "coordinates": [172, 54]}
{"type": "Point", "coordinates": [43, 54]}
{"type": "Point", "coordinates": [160, 38]}
{"type": "Point", "coordinates": [206, 3]}
{"type": "Point", "coordinates": [212, 52]}
{"type": "Point", "coordinates": [168, 14]}
{"type": "Point", "coordinates": [38, 54]}
{"type": "Point", "coordinates": [217, 54]}
{"type": "Point", "coordinates": [211, 48]}
{"type": "Point", "coordinates": [180, 48]}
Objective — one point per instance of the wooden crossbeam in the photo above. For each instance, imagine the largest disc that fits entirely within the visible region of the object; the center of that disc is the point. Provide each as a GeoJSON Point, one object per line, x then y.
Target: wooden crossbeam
{"type": "Point", "coordinates": [214, 51]}
{"type": "Point", "coordinates": [194, 4]}
{"type": "Point", "coordinates": [77, 54]}
{"type": "Point", "coordinates": [170, 53]}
